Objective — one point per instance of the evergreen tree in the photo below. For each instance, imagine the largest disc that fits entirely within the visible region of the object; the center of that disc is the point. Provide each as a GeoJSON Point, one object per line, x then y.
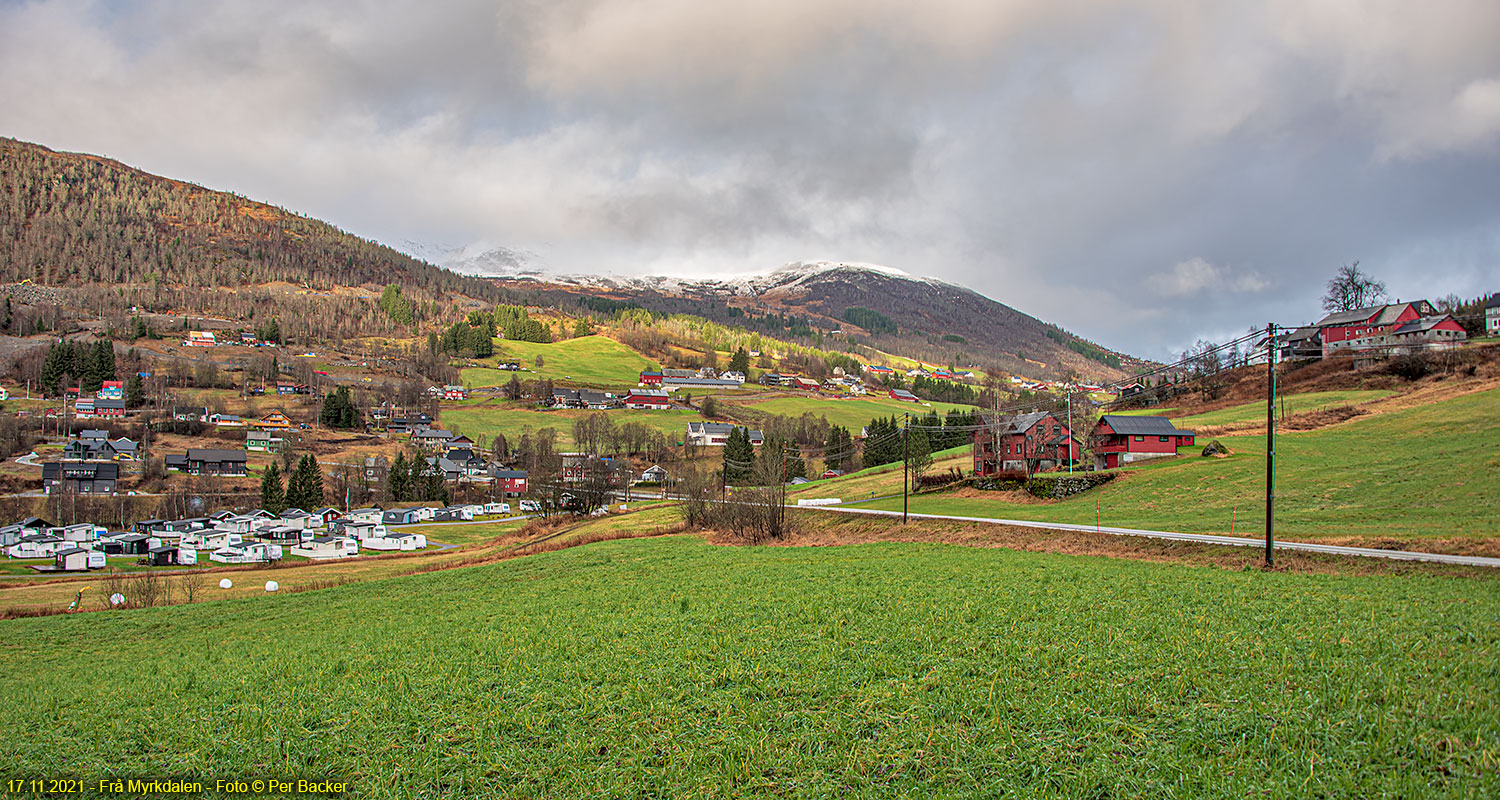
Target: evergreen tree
{"type": "Point", "coordinates": [305, 489]}
{"type": "Point", "coordinates": [272, 495]}
{"type": "Point", "coordinates": [338, 410]}
{"type": "Point", "coordinates": [839, 452]}
{"type": "Point", "coordinates": [101, 366]}
{"type": "Point", "coordinates": [740, 362]}
{"type": "Point", "coordinates": [135, 392]}
{"type": "Point", "coordinates": [739, 456]}
{"type": "Point", "coordinates": [918, 453]}
{"type": "Point", "coordinates": [400, 479]}
{"type": "Point", "coordinates": [583, 328]}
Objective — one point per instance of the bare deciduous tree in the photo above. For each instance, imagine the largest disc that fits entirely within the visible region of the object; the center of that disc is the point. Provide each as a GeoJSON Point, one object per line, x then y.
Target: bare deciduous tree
{"type": "Point", "coordinates": [1349, 288]}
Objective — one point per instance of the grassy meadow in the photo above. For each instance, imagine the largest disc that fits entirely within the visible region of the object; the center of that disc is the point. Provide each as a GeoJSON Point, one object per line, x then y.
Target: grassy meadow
{"type": "Point", "coordinates": [593, 361]}
{"type": "Point", "coordinates": [497, 416]}
{"type": "Point", "coordinates": [1432, 471]}
{"type": "Point", "coordinates": [671, 668]}
{"type": "Point", "coordinates": [852, 414]}
{"type": "Point", "coordinates": [1288, 405]}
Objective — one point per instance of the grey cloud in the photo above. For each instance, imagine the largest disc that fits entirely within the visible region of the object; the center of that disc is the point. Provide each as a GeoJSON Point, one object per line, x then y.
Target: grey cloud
{"type": "Point", "coordinates": [1145, 173]}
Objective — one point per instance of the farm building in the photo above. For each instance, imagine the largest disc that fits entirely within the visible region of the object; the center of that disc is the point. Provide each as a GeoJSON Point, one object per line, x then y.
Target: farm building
{"type": "Point", "coordinates": [455, 393]}
{"type": "Point", "coordinates": [1492, 316]}
{"type": "Point", "coordinates": [654, 474]}
{"type": "Point", "coordinates": [1026, 442]}
{"type": "Point", "coordinates": [432, 438]}
{"type": "Point", "coordinates": [904, 396]}
{"type": "Point", "coordinates": [1369, 327]}
{"type": "Point", "coordinates": [1120, 440]}
{"type": "Point", "coordinates": [651, 378]}
{"type": "Point", "coordinates": [648, 399]}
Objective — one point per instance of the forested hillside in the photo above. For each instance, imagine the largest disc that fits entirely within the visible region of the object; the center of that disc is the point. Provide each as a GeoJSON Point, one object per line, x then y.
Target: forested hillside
{"type": "Point", "coordinates": [71, 219]}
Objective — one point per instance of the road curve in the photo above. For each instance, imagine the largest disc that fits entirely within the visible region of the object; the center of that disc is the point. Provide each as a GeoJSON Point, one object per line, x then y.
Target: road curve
{"type": "Point", "coordinates": [1201, 538]}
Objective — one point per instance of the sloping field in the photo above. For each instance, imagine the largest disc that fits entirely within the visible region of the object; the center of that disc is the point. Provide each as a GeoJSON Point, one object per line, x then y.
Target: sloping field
{"type": "Point", "coordinates": [851, 414]}
{"type": "Point", "coordinates": [1428, 472]}
{"type": "Point", "coordinates": [671, 668]}
{"type": "Point", "coordinates": [511, 419]}
{"type": "Point", "coordinates": [594, 361]}
{"type": "Point", "coordinates": [1287, 406]}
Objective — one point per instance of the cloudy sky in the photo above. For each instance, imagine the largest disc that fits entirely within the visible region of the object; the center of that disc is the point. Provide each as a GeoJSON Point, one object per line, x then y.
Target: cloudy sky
{"type": "Point", "coordinates": [1144, 173]}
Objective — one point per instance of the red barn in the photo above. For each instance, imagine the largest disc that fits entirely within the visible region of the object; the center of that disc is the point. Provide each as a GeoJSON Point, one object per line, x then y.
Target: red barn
{"type": "Point", "coordinates": [647, 399]}
{"type": "Point", "coordinates": [1120, 440]}
{"type": "Point", "coordinates": [651, 378]}
{"type": "Point", "coordinates": [1036, 440]}
{"type": "Point", "coordinates": [1370, 326]}
{"type": "Point", "coordinates": [903, 395]}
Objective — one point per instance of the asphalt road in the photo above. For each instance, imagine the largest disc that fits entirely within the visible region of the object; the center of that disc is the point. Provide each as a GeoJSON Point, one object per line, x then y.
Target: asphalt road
{"type": "Point", "coordinates": [1202, 538]}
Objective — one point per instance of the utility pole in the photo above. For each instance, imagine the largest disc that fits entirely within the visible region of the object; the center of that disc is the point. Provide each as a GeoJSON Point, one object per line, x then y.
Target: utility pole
{"type": "Point", "coordinates": [1070, 431]}
{"type": "Point", "coordinates": [905, 453]}
{"type": "Point", "coordinates": [1270, 441]}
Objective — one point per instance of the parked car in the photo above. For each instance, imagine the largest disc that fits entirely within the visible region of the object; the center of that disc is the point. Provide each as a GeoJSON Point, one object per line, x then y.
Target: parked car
{"type": "Point", "coordinates": [531, 506]}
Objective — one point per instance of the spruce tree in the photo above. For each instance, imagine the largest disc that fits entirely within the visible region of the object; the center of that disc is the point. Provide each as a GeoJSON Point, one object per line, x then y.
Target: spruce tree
{"type": "Point", "coordinates": [739, 456]}
{"type": "Point", "coordinates": [135, 392]}
{"type": "Point", "coordinates": [305, 489]}
{"type": "Point", "coordinates": [399, 479]}
{"type": "Point", "coordinates": [740, 362]}
{"type": "Point", "coordinates": [272, 495]}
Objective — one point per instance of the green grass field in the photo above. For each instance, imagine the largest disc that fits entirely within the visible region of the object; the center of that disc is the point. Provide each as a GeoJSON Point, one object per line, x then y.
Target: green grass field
{"type": "Point", "coordinates": [670, 668]}
{"type": "Point", "coordinates": [1288, 405]}
{"type": "Point", "coordinates": [1427, 472]}
{"type": "Point", "coordinates": [852, 414]}
{"type": "Point", "coordinates": [512, 418]}
{"type": "Point", "coordinates": [593, 361]}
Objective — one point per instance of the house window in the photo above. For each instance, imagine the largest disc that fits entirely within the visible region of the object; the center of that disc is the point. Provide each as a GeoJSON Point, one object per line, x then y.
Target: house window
{"type": "Point", "coordinates": [1166, 438]}
{"type": "Point", "coordinates": [1140, 438]}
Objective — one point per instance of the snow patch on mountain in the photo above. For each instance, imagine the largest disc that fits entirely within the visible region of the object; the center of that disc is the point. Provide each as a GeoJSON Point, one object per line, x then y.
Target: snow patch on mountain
{"type": "Point", "coordinates": [480, 258]}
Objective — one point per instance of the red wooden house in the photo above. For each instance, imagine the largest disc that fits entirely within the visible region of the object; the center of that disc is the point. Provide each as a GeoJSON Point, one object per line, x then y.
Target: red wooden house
{"type": "Point", "coordinates": [1032, 441]}
{"type": "Point", "coordinates": [1120, 440]}
{"type": "Point", "coordinates": [651, 378]}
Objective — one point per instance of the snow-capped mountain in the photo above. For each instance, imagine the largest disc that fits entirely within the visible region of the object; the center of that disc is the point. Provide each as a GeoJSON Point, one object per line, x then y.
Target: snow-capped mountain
{"type": "Point", "coordinates": [481, 259]}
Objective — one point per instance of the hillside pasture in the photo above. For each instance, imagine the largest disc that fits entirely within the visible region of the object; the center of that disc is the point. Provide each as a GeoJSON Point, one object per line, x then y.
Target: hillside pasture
{"type": "Point", "coordinates": [854, 413]}
{"type": "Point", "coordinates": [667, 667]}
{"type": "Point", "coordinates": [591, 361]}
{"type": "Point", "coordinates": [1419, 475]}
{"type": "Point", "coordinates": [497, 416]}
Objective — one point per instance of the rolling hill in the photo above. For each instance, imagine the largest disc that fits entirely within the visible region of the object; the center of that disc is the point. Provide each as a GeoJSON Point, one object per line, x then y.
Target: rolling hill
{"type": "Point", "coordinates": [884, 307]}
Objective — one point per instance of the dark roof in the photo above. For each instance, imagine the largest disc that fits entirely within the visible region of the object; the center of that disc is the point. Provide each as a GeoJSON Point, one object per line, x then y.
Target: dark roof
{"type": "Point", "coordinates": [1142, 426]}
{"type": "Point", "coordinates": [69, 550]}
{"type": "Point", "coordinates": [1494, 302]}
{"type": "Point", "coordinates": [1350, 317]}
{"type": "Point", "coordinates": [1421, 325]}
{"type": "Point", "coordinates": [194, 454]}
{"type": "Point", "coordinates": [509, 473]}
